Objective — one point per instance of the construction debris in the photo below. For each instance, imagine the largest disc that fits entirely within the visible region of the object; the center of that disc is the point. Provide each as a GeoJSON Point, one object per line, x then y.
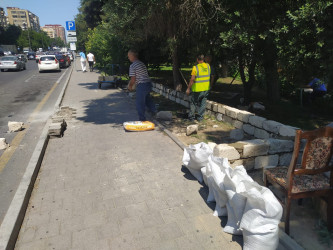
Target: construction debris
{"type": "Point", "coordinates": [3, 144]}
{"type": "Point", "coordinates": [15, 126]}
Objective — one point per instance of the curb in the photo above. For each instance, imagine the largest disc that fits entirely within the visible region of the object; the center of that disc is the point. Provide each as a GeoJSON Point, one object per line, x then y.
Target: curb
{"type": "Point", "coordinates": [11, 225]}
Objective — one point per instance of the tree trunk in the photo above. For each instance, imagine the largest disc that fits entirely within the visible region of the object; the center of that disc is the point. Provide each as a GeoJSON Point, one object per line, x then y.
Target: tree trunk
{"type": "Point", "coordinates": [271, 73]}
{"type": "Point", "coordinates": [247, 85]}
{"type": "Point", "coordinates": [175, 69]}
{"type": "Point", "coordinates": [224, 69]}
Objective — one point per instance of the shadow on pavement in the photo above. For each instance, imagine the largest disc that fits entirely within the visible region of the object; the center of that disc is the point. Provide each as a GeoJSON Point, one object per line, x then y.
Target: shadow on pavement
{"type": "Point", "coordinates": [94, 85]}
{"type": "Point", "coordinates": [114, 109]}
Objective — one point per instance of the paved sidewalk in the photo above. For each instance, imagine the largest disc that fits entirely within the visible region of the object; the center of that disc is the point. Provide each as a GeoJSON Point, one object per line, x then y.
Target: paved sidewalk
{"type": "Point", "coordinates": [100, 187]}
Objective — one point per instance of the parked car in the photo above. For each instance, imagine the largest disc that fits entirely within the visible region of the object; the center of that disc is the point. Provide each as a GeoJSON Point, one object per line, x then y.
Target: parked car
{"type": "Point", "coordinates": [63, 60]}
{"type": "Point", "coordinates": [31, 55]}
{"type": "Point", "coordinates": [69, 60]}
{"type": "Point", "coordinates": [11, 62]}
{"type": "Point", "coordinates": [48, 62]}
{"type": "Point", "coordinates": [2, 53]}
{"type": "Point", "coordinates": [70, 56]}
{"type": "Point", "coordinates": [38, 55]}
{"type": "Point", "coordinates": [23, 57]}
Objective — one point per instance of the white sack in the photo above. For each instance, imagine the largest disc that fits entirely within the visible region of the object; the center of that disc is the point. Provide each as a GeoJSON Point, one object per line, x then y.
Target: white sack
{"type": "Point", "coordinates": [260, 241]}
{"type": "Point", "coordinates": [262, 214]}
{"type": "Point", "coordinates": [216, 169]}
{"type": "Point", "coordinates": [204, 175]}
{"type": "Point", "coordinates": [196, 157]}
{"type": "Point", "coordinates": [234, 188]}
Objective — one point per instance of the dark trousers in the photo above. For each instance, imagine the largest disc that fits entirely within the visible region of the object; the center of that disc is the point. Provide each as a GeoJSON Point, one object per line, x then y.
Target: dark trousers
{"type": "Point", "coordinates": [198, 101]}
{"type": "Point", "coordinates": [91, 65]}
{"type": "Point", "coordinates": [143, 99]}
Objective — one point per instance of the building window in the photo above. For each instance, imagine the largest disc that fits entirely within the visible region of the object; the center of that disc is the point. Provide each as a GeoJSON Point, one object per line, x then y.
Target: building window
{"type": "Point", "coordinates": [14, 16]}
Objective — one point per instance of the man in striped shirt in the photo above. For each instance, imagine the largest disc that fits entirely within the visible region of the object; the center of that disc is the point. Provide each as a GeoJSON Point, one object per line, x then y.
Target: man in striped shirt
{"type": "Point", "coordinates": [139, 77]}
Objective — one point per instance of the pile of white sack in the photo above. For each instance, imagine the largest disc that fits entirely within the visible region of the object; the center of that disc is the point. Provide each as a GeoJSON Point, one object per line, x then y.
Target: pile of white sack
{"type": "Point", "coordinates": [253, 211]}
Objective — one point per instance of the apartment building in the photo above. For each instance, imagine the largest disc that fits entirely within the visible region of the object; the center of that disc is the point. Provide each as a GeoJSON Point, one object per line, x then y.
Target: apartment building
{"type": "Point", "coordinates": [59, 31]}
{"type": "Point", "coordinates": [3, 18]}
{"type": "Point", "coordinates": [49, 31]}
{"type": "Point", "coordinates": [23, 18]}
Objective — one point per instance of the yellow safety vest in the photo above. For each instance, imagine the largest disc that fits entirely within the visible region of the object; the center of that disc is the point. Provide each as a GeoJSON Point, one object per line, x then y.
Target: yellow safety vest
{"type": "Point", "coordinates": [202, 78]}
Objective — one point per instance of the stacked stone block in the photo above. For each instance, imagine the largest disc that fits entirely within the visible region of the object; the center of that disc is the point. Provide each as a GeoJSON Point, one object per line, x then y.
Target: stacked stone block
{"type": "Point", "coordinates": [250, 123]}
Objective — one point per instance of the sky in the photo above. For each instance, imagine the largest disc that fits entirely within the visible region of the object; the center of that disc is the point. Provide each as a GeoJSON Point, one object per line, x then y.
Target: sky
{"type": "Point", "coordinates": [48, 11]}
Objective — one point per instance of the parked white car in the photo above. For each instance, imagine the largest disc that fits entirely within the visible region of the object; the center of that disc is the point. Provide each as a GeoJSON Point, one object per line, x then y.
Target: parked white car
{"type": "Point", "coordinates": [48, 62]}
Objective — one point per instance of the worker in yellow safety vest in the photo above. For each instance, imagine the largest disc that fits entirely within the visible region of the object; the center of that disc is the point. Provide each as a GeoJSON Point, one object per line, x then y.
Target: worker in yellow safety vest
{"type": "Point", "coordinates": [199, 84]}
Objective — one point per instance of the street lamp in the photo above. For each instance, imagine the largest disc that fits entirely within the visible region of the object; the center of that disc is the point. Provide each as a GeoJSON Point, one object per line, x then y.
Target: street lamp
{"type": "Point", "coordinates": [26, 28]}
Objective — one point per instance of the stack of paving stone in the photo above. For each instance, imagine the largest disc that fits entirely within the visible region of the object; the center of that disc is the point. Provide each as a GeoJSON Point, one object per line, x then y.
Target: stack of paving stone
{"type": "Point", "coordinates": [57, 127]}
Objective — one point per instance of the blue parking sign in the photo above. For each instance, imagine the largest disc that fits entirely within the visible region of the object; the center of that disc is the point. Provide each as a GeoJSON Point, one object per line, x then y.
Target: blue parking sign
{"type": "Point", "coordinates": [70, 25]}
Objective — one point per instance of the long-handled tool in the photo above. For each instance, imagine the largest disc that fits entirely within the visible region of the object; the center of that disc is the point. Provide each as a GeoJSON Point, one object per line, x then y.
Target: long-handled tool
{"type": "Point", "coordinates": [183, 76]}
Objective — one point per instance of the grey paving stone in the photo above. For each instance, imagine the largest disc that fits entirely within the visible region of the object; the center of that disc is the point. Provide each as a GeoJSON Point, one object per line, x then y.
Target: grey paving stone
{"type": "Point", "coordinates": [152, 219]}
{"type": "Point", "coordinates": [157, 204]}
{"type": "Point", "coordinates": [108, 230]}
{"type": "Point", "coordinates": [172, 214]}
{"type": "Point", "coordinates": [37, 244]}
{"type": "Point", "coordinates": [130, 224]}
{"type": "Point", "coordinates": [137, 209]}
{"type": "Point", "coordinates": [47, 230]}
{"type": "Point", "coordinates": [95, 219]}
{"type": "Point", "coordinates": [190, 225]}
{"type": "Point", "coordinates": [166, 245]}
{"type": "Point", "coordinates": [73, 224]}
{"type": "Point", "coordinates": [130, 189]}
{"type": "Point", "coordinates": [59, 242]}
{"type": "Point", "coordinates": [146, 238]}
{"type": "Point", "coordinates": [123, 242]}
{"type": "Point", "coordinates": [170, 231]}
{"type": "Point", "coordinates": [84, 238]}
{"type": "Point", "coordinates": [189, 242]}
{"type": "Point", "coordinates": [142, 196]}
{"type": "Point", "coordinates": [35, 219]}
{"type": "Point", "coordinates": [27, 235]}
{"type": "Point", "coordinates": [115, 215]}
{"type": "Point", "coordinates": [123, 201]}
{"type": "Point", "coordinates": [60, 215]}
{"type": "Point", "coordinates": [192, 211]}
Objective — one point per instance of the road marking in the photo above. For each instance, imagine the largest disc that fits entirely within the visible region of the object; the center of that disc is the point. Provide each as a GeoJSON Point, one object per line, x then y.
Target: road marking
{"type": "Point", "coordinates": [29, 78]}
{"type": "Point", "coordinates": [7, 155]}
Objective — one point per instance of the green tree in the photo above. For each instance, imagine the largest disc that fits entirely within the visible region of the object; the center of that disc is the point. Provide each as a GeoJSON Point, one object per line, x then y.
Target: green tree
{"type": "Point", "coordinates": [305, 42]}
{"type": "Point", "coordinates": [11, 34]}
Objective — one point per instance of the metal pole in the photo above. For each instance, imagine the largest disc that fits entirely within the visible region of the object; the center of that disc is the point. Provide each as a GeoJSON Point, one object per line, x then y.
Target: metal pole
{"type": "Point", "coordinates": [29, 40]}
{"type": "Point", "coordinates": [26, 28]}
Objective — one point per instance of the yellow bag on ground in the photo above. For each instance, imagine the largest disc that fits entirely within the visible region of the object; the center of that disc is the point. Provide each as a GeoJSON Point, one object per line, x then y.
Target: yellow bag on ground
{"type": "Point", "coordinates": [139, 126]}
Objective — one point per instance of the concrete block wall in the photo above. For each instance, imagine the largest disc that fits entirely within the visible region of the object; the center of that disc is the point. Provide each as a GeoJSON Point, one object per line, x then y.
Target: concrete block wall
{"type": "Point", "coordinates": [273, 145]}
{"type": "Point", "coordinates": [254, 125]}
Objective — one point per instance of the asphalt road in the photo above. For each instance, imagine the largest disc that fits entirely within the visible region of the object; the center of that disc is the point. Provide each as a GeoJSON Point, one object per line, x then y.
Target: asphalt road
{"type": "Point", "coordinates": [25, 96]}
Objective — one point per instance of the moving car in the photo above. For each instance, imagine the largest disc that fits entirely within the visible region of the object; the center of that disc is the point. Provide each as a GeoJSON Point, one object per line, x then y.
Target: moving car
{"type": "Point", "coordinates": [23, 57]}
{"type": "Point", "coordinates": [31, 55]}
{"type": "Point", "coordinates": [63, 61]}
{"type": "Point", "coordinates": [48, 62]}
{"type": "Point", "coordinates": [38, 55]}
{"type": "Point", "coordinates": [11, 62]}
